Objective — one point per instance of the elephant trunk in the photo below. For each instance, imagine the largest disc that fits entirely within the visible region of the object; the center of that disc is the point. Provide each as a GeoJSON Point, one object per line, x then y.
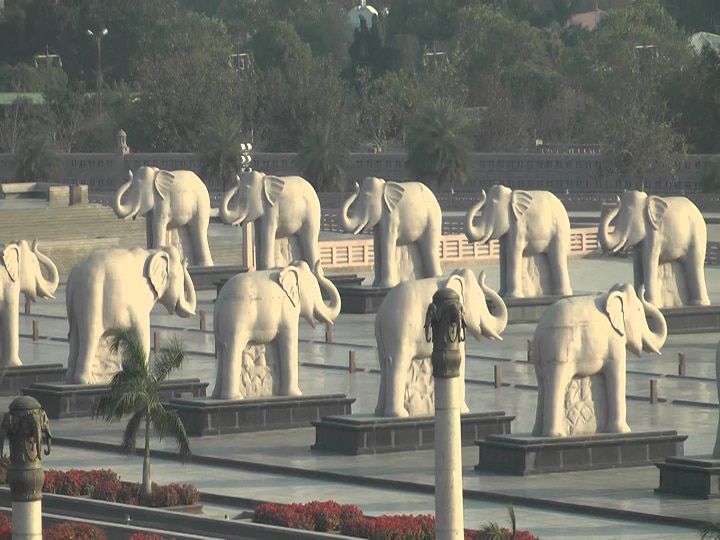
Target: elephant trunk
{"type": "Point", "coordinates": [186, 304]}
{"type": "Point", "coordinates": [232, 217]}
{"type": "Point", "coordinates": [46, 287]}
{"type": "Point", "coordinates": [351, 224]}
{"type": "Point", "coordinates": [125, 211]}
{"type": "Point", "coordinates": [657, 327]}
{"type": "Point", "coordinates": [495, 324]}
{"type": "Point", "coordinates": [326, 313]}
{"type": "Point", "coordinates": [615, 241]}
{"type": "Point", "coordinates": [479, 233]}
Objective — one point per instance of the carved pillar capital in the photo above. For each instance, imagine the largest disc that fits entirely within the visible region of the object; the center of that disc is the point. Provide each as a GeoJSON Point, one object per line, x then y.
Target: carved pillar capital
{"type": "Point", "coordinates": [24, 426]}
{"type": "Point", "coordinates": [445, 327]}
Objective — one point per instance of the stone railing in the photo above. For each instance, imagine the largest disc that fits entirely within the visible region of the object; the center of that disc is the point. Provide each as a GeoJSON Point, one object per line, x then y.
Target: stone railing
{"type": "Point", "coordinates": [357, 253]}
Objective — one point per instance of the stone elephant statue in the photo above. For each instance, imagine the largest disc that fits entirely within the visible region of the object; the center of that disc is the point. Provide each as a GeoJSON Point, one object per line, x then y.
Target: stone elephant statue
{"type": "Point", "coordinates": [118, 288]}
{"type": "Point", "coordinates": [400, 333]}
{"type": "Point", "coordinates": [280, 207]}
{"type": "Point", "coordinates": [586, 335]}
{"type": "Point", "coordinates": [22, 265]}
{"type": "Point", "coordinates": [169, 200]}
{"type": "Point", "coordinates": [399, 214]}
{"type": "Point", "coordinates": [660, 230]}
{"type": "Point", "coordinates": [260, 307]}
{"type": "Point", "coordinates": [526, 223]}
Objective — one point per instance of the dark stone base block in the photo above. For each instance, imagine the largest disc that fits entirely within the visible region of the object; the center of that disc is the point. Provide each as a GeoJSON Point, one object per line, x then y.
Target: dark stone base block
{"type": "Point", "coordinates": [62, 400]}
{"type": "Point", "coordinates": [206, 278]}
{"type": "Point", "coordinates": [695, 476]}
{"type": "Point", "coordinates": [525, 454]}
{"type": "Point", "coordinates": [692, 319]}
{"type": "Point", "coordinates": [14, 378]}
{"type": "Point", "coordinates": [361, 299]}
{"type": "Point", "coordinates": [365, 434]}
{"type": "Point", "coordinates": [220, 416]}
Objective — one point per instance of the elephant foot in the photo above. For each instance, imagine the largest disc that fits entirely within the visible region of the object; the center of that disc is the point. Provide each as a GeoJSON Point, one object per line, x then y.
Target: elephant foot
{"type": "Point", "coordinates": [513, 294]}
{"type": "Point", "coordinates": [464, 409]}
{"type": "Point", "coordinates": [83, 378]}
{"type": "Point", "coordinates": [294, 391]}
{"type": "Point", "coordinates": [15, 361]}
{"type": "Point", "coordinates": [386, 284]}
{"type": "Point", "coordinates": [396, 413]}
{"type": "Point", "coordinates": [617, 427]}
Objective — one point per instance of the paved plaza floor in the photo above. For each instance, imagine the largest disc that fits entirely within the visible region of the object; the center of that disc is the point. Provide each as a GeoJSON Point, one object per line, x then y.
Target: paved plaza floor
{"type": "Point", "coordinates": [279, 466]}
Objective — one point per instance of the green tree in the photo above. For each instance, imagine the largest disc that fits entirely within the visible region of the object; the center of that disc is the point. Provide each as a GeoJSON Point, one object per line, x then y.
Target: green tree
{"type": "Point", "coordinates": [438, 149]}
{"type": "Point", "coordinates": [135, 390]}
{"type": "Point", "coordinates": [324, 159]}
{"type": "Point", "coordinates": [221, 150]}
{"type": "Point", "coordinates": [37, 160]}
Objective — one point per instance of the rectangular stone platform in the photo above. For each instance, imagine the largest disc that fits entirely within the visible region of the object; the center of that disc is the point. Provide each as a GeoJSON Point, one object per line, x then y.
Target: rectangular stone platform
{"type": "Point", "coordinates": [206, 278]}
{"type": "Point", "coordinates": [207, 416]}
{"type": "Point", "coordinates": [524, 454]}
{"type": "Point", "coordinates": [62, 400]}
{"type": "Point", "coordinates": [692, 476]}
{"type": "Point", "coordinates": [692, 319]}
{"type": "Point", "coordinates": [365, 434]}
{"type": "Point", "coordinates": [14, 378]}
{"type": "Point", "coordinates": [356, 299]}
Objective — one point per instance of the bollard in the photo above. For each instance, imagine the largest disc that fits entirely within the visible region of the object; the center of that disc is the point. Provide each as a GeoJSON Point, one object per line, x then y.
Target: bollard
{"type": "Point", "coordinates": [681, 364]}
{"type": "Point", "coordinates": [203, 321]}
{"type": "Point", "coordinates": [36, 330]}
{"type": "Point", "coordinates": [351, 362]}
{"type": "Point", "coordinates": [445, 326]}
{"type": "Point", "coordinates": [24, 426]}
{"type": "Point", "coordinates": [156, 342]}
{"type": "Point", "coordinates": [498, 376]}
{"type": "Point", "coordinates": [328, 333]}
{"type": "Point", "coordinates": [653, 390]}
{"type": "Point", "coordinates": [27, 307]}
{"type": "Point", "coordinates": [529, 350]}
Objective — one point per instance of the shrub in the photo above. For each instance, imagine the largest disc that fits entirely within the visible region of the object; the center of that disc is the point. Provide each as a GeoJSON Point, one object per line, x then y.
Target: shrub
{"type": "Point", "coordinates": [76, 531]}
{"type": "Point", "coordinates": [360, 527]}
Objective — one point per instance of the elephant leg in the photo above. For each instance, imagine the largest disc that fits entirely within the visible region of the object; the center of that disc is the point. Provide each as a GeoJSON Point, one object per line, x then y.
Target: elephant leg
{"type": "Point", "coordinates": [142, 331]}
{"type": "Point", "coordinates": [396, 383]}
{"type": "Point", "coordinates": [389, 270]}
{"type": "Point", "coordinates": [88, 337]}
{"type": "Point", "coordinates": [650, 266]}
{"type": "Point", "coordinates": [378, 257]}
{"type": "Point", "coordinates": [227, 385]}
{"type": "Point", "coordinates": [74, 349]}
{"type": "Point", "coordinates": [695, 275]}
{"type": "Point", "coordinates": [220, 353]}
{"type": "Point", "coordinates": [201, 248]}
{"type": "Point", "coordinates": [556, 382]}
{"type": "Point", "coordinates": [615, 377]}
{"type": "Point", "coordinates": [149, 234]}
{"type": "Point", "coordinates": [287, 344]}
{"type": "Point", "coordinates": [382, 388]}
{"type": "Point", "coordinates": [11, 331]}
{"type": "Point", "coordinates": [308, 238]}
{"type": "Point", "coordinates": [265, 253]}
{"type": "Point", "coordinates": [559, 267]}
{"type": "Point", "coordinates": [159, 233]}
{"type": "Point", "coordinates": [430, 252]}
{"type": "Point", "coordinates": [514, 261]}
{"type": "Point", "coordinates": [537, 430]}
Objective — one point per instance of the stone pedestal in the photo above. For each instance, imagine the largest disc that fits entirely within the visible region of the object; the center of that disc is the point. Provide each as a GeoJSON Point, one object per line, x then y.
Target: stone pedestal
{"type": "Point", "coordinates": [524, 454]}
{"type": "Point", "coordinates": [14, 378]}
{"type": "Point", "coordinates": [365, 434]}
{"type": "Point", "coordinates": [62, 400]}
{"type": "Point", "coordinates": [692, 319]}
{"type": "Point", "coordinates": [206, 278]}
{"type": "Point", "coordinates": [207, 416]}
{"type": "Point", "coordinates": [357, 299]}
{"type": "Point", "coordinates": [693, 476]}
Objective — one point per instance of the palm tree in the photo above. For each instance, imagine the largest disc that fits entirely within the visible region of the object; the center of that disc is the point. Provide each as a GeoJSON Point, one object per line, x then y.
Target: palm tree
{"type": "Point", "coordinates": [135, 390]}
{"type": "Point", "coordinates": [324, 159]}
{"type": "Point", "coordinates": [221, 150]}
{"type": "Point", "coordinates": [437, 146]}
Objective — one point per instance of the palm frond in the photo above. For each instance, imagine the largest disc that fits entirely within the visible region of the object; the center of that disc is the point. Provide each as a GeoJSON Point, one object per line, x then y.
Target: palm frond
{"type": "Point", "coordinates": [710, 531]}
{"type": "Point", "coordinates": [167, 421]}
{"type": "Point", "coordinates": [114, 406]}
{"type": "Point", "coordinates": [126, 342]}
{"type": "Point", "coordinates": [171, 358]}
{"type": "Point", "coordinates": [127, 446]}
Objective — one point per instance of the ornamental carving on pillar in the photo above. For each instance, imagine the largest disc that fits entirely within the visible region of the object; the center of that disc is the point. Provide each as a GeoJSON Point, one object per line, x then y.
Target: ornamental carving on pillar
{"type": "Point", "coordinates": [445, 327]}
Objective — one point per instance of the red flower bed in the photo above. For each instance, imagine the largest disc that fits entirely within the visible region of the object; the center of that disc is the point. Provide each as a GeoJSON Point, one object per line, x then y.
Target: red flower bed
{"type": "Point", "coordinates": [63, 531]}
{"type": "Point", "coordinates": [349, 520]}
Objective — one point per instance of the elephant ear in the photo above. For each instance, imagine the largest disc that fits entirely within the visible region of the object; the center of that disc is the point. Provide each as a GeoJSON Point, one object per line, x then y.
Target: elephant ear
{"type": "Point", "coordinates": [163, 182]}
{"type": "Point", "coordinates": [11, 260]}
{"type": "Point", "coordinates": [392, 193]}
{"type": "Point", "coordinates": [290, 283]}
{"type": "Point", "coordinates": [158, 270]}
{"type": "Point", "coordinates": [520, 201]}
{"type": "Point", "coordinates": [656, 207]}
{"type": "Point", "coordinates": [273, 187]}
{"type": "Point", "coordinates": [615, 311]}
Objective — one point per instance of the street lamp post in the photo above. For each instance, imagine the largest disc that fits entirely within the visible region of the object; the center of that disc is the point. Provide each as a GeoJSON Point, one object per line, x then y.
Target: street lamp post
{"type": "Point", "coordinates": [99, 78]}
